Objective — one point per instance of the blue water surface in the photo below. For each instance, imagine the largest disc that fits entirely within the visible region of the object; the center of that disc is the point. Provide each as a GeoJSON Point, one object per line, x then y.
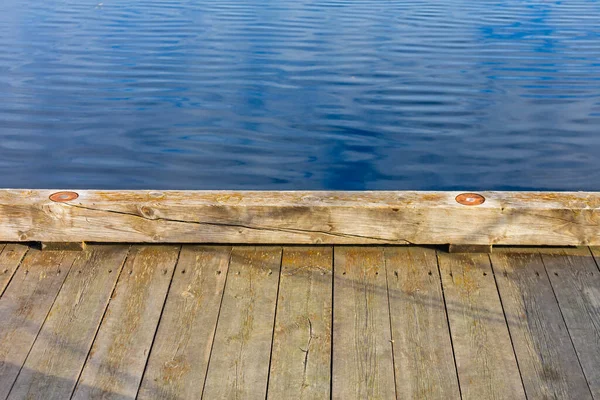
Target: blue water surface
{"type": "Point", "coordinates": [300, 94]}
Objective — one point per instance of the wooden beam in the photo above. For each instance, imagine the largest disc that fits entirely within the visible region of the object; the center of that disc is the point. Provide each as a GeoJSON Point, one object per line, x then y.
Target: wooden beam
{"type": "Point", "coordinates": [505, 218]}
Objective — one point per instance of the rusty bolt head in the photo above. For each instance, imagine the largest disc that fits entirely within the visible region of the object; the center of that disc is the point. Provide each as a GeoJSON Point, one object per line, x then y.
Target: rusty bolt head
{"type": "Point", "coordinates": [63, 197]}
{"type": "Point", "coordinates": [470, 199]}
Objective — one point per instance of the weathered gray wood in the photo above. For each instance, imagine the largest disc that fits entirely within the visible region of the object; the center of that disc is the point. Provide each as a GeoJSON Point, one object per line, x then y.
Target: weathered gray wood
{"type": "Point", "coordinates": [363, 365]}
{"type": "Point", "coordinates": [11, 256]}
{"type": "Point", "coordinates": [118, 356]}
{"type": "Point", "coordinates": [59, 352]}
{"type": "Point", "coordinates": [301, 356]}
{"type": "Point", "coordinates": [24, 307]}
{"type": "Point", "coordinates": [515, 218]}
{"type": "Point", "coordinates": [486, 364]}
{"type": "Point", "coordinates": [179, 357]}
{"type": "Point", "coordinates": [62, 246]}
{"type": "Point", "coordinates": [423, 357]}
{"type": "Point", "coordinates": [547, 360]}
{"type": "Point", "coordinates": [576, 281]}
{"type": "Point", "coordinates": [239, 362]}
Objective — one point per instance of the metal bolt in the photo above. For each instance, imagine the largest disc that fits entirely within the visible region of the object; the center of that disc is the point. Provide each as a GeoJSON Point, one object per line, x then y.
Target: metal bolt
{"type": "Point", "coordinates": [470, 199]}
{"type": "Point", "coordinates": [63, 197]}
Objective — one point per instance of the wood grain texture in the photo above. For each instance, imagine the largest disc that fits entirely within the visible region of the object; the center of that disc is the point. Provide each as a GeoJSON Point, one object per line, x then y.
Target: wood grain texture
{"type": "Point", "coordinates": [118, 356]}
{"type": "Point", "coordinates": [515, 218]}
{"type": "Point", "coordinates": [547, 360]}
{"type": "Point", "coordinates": [11, 256]}
{"type": "Point", "coordinates": [57, 357]}
{"type": "Point", "coordinates": [239, 362]}
{"type": "Point", "coordinates": [363, 366]}
{"type": "Point", "coordinates": [423, 357]}
{"type": "Point", "coordinates": [24, 307]}
{"type": "Point", "coordinates": [576, 282]}
{"type": "Point", "coordinates": [179, 357]}
{"type": "Point", "coordinates": [301, 356]}
{"type": "Point", "coordinates": [486, 364]}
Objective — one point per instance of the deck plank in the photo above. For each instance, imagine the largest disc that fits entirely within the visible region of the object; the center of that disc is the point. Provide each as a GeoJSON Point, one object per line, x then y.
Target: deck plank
{"type": "Point", "coordinates": [118, 356]}
{"type": "Point", "coordinates": [24, 307]}
{"type": "Point", "coordinates": [11, 256]}
{"type": "Point", "coordinates": [179, 357]}
{"type": "Point", "coordinates": [576, 281]}
{"type": "Point", "coordinates": [59, 352]}
{"type": "Point", "coordinates": [239, 362]}
{"type": "Point", "coordinates": [423, 357]}
{"type": "Point", "coordinates": [362, 345]}
{"type": "Point", "coordinates": [486, 364]}
{"type": "Point", "coordinates": [547, 360]}
{"type": "Point", "coordinates": [301, 357]}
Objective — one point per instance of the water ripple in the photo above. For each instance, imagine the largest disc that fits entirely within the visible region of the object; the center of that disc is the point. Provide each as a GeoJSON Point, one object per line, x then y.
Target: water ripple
{"type": "Point", "coordinates": [303, 94]}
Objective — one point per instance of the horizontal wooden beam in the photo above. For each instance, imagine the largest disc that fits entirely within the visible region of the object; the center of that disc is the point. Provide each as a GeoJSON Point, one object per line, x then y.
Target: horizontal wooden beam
{"type": "Point", "coordinates": [504, 218]}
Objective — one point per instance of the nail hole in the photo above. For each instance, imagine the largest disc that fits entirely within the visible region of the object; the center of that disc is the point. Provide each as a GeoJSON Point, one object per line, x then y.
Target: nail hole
{"type": "Point", "coordinates": [429, 273]}
{"type": "Point", "coordinates": [485, 274]}
{"type": "Point", "coordinates": [555, 274]}
{"type": "Point", "coordinates": [183, 271]}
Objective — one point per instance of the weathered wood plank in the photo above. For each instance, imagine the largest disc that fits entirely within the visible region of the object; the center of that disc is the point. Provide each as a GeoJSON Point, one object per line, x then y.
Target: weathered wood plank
{"type": "Point", "coordinates": [118, 356]}
{"type": "Point", "coordinates": [515, 218]}
{"type": "Point", "coordinates": [59, 352]}
{"type": "Point", "coordinates": [301, 356]}
{"type": "Point", "coordinates": [547, 360]}
{"type": "Point", "coordinates": [179, 357]}
{"type": "Point", "coordinates": [423, 357]}
{"type": "Point", "coordinates": [363, 365]}
{"type": "Point", "coordinates": [239, 363]}
{"type": "Point", "coordinates": [24, 307]}
{"type": "Point", "coordinates": [11, 256]}
{"type": "Point", "coordinates": [486, 364]}
{"type": "Point", "coordinates": [576, 281]}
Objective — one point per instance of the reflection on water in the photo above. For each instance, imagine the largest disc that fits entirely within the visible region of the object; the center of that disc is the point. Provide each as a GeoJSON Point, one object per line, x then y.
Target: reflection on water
{"type": "Point", "coordinates": [300, 94]}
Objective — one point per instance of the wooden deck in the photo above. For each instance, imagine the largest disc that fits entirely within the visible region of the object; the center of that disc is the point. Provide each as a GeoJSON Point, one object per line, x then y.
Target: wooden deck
{"type": "Point", "coordinates": [222, 322]}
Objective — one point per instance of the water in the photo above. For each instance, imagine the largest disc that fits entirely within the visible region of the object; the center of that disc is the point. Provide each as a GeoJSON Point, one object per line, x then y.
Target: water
{"type": "Point", "coordinates": [300, 94]}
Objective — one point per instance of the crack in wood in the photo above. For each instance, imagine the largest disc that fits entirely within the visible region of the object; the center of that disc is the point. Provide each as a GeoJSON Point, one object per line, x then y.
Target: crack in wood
{"type": "Point", "coordinates": [231, 225]}
{"type": "Point", "coordinates": [307, 351]}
